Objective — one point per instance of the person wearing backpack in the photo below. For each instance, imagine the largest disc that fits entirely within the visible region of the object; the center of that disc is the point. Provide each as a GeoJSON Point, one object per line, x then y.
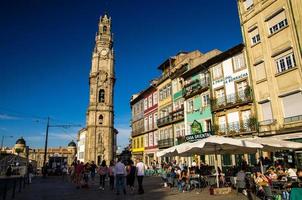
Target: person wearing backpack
{"type": "Point", "coordinates": [103, 170]}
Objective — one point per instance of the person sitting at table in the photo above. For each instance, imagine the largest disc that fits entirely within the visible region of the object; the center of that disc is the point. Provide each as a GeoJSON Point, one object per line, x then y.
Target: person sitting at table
{"type": "Point", "coordinates": [298, 183]}
{"type": "Point", "coordinates": [272, 175]}
{"type": "Point", "coordinates": [262, 184]}
{"type": "Point", "coordinates": [183, 181]}
{"type": "Point", "coordinates": [194, 179]}
{"type": "Point", "coordinates": [164, 176]}
{"type": "Point", "coordinates": [171, 178]}
{"type": "Point", "coordinates": [291, 173]}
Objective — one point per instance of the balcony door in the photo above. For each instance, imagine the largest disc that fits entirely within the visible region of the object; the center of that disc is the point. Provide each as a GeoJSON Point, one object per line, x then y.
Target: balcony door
{"type": "Point", "coordinates": [241, 86]}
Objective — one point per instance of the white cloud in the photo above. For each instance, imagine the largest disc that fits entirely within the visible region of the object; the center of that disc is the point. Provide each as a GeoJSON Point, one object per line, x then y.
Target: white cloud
{"type": "Point", "coordinates": [8, 117]}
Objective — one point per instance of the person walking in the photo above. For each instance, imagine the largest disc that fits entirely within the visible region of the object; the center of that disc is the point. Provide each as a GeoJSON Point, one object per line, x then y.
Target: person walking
{"type": "Point", "coordinates": [79, 171]}
{"type": "Point", "coordinates": [92, 170]}
{"type": "Point", "coordinates": [120, 173]}
{"type": "Point", "coordinates": [140, 172]}
{"type": "Point", "coordinates": [30, 171]}
{"type": "Point", "coordinates": [103, 169]}
{"type": "Point", "coordinates": [111, 175]}
{"type": "Point", "coordinates": [131, 175]}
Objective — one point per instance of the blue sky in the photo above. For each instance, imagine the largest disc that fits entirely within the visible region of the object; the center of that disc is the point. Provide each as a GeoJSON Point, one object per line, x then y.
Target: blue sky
{"type": "Point", "coordinates": [46, 47]}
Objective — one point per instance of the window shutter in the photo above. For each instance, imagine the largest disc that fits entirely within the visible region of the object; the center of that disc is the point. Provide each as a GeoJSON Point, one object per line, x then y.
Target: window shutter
{"type": "Point", "coordinates": [260, 71]}
{"type": "Point", "coordinates": [276, 19]}
{"type": "Point", "coordinates": [292, 105]}
{"type": "Point", "coordinates": [248, 4]}
{"type": "Point", "coordinates": [267, 111]}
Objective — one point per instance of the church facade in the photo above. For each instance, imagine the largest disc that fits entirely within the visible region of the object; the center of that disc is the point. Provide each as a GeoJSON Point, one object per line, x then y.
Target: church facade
{"type": "Point", "coordinates": [100, 139]}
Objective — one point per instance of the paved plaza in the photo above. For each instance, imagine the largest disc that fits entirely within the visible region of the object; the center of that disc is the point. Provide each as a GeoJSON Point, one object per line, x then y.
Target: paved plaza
{"type": "Point", "coordinates": [54, 188]}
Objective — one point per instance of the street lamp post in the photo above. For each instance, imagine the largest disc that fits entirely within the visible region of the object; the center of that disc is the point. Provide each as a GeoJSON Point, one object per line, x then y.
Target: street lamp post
{"type": "Point", "coordinates": [2, 140]}
{"type": "Point", "coordinates": [46, 141]}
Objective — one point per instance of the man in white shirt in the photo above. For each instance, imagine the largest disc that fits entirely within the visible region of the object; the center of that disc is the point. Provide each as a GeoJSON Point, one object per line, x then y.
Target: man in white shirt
{"type": "Point", "coordinates": [120, 173]}
{"type": "Point", "coordinates": [140, 172]}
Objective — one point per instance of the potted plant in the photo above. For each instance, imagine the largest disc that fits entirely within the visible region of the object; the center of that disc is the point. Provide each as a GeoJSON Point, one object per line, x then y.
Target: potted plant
{"type": "Point", "coordinates": [252, 122]}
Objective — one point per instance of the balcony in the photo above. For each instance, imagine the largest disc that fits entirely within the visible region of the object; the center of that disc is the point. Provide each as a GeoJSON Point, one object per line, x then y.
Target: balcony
{"type": "Point", "coordinates": [195, 87]}
{"type": "Point", "coordinates": [231, 100]}
{"type": "Point", "coordinates": [237, 128]}
{"type": "Point", "coordinates": [174, 116]}
{"type": "Point", "coordinates": [138, 131]}
{"type": "Point", "coordinates": [293, 119]}
{"type": "Point", "coordinates": [165, 143]}
{"type": "Point", "coordinates": [267, 126]}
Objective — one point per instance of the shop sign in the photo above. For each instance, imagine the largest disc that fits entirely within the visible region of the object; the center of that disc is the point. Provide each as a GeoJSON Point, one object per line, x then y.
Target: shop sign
{"type": "Point", "coordinates": [229, 79]}
{"type": "Point", "coordinates": [195, 137]}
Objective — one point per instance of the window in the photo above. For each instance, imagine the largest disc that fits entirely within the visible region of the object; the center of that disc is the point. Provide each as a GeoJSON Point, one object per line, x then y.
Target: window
{"type": "Point", "coordinates": [285, 62]}
{"type": "Point", "coordinates": [101, 119]}
{"type": "Point", "coordinates": [146, 104]}
{"type": "Point", "coordinates": [254, 36]}
{"type": "Point", "coordinates": [155, 138]}
{"type": "Point", "coordinates": [154, 98]}
{"type": "Point", "coordinates": [164, 92]}
{"type": "Point", "coordinates": [205, 100]}
{"type": "Point", "coordinates": [169, 90]}
{"type": "Point", "coordinates": [208, 125]}
{"type": "Point", "coordinates": [190, 105]}
{"type": "Point", "coordinates": [241, 86]}
{"type": "Point", "coordinates": [101, 96]}
{"type": "Point", "coordinates": [155, 119]}
{"type": "Point", "coordinates": [266, 111]}
{"type": "Point", "coordinates": [292, 107]}
{"type": "Point", "coordinates": [104, 29]}
{"type": "Point", "coordinates": [160, 94]}
{"type": "Point", "coordinates": [150, 121]}
{"type": "Point", "coordinates": [238, 62]}
{"type": "Point", "coordinates": [217, 71]}
{"type": "Point", "coordinates": [146, 138]}
{"type": "Point", "coordinates": [219, 94]}
{"type": "Point", "coordinates": [146, 124]}
{"type": "Point", "coordinates": [260, 71]}
{"type": "Point", "coordinates": [151, 143]}
{"type": "Point", "coordinates": [150, 101]}
{"type": "Point", "coordinates": [248, 4]}
{"type": "Point", "coordinates": [277, 23]}
{"type": "Point", "coordinates": [222, 124]}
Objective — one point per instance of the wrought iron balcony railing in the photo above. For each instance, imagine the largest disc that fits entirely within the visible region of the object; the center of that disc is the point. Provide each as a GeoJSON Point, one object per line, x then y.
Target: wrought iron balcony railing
{"type": "Point", "coordinates": [237, 127]}
{"type": "Point", "coordinates": [194, 87]}
{"type": "Point", "coordinates": [231, 100]}
{"type": "Point", "coordinates": [174, 116]}
{"type": "Point", "coordinates": [165, 143]}
{"type": "Point", "coordinates": [293, 119]}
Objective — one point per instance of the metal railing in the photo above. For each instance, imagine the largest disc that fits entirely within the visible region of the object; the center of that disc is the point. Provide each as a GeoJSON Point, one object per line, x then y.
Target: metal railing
{"type": "Point", "coordinates": [165, 143]}
{"type": "Point", "coordinates": [236, 127]}
{"type": "Point", "coordinates": [267, 122]}
{"type": "Point", "coordinates": [231, 99]}
{"type": "Point", "coordinates": [172, 117]}
{"type": "Point", "coordinates": [194, 86]}
{"type": "Point", "coordinates": [293, 119]}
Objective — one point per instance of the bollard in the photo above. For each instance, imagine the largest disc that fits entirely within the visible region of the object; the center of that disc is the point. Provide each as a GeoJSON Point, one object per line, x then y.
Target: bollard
{"type": "Point", "coordinates": [14, 188]}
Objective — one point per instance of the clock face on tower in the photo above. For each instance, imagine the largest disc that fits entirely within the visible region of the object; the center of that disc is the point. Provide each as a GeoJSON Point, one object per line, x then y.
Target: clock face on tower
{"type": "Point", "coordinates": [104, 52]}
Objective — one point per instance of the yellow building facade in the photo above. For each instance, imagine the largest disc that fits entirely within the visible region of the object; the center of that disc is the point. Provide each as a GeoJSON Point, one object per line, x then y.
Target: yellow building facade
{"type": "Point", "coordinates": [271, 31]}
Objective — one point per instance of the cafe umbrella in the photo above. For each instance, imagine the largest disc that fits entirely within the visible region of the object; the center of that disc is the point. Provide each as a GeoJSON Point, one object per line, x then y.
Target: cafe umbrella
{"type": "Point", "coordinates": [274, 144]}
{"type": "Point", "coordinates": [218, 145]}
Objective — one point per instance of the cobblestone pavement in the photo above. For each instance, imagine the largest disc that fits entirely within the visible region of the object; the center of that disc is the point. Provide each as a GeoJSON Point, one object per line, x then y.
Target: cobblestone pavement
{"type": "Point", "coordinates": [54, 188]}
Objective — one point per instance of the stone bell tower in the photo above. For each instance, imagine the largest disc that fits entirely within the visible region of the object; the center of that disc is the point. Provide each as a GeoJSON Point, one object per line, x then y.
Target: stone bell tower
{"type": "Point", "coordinates": [100, 139]}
